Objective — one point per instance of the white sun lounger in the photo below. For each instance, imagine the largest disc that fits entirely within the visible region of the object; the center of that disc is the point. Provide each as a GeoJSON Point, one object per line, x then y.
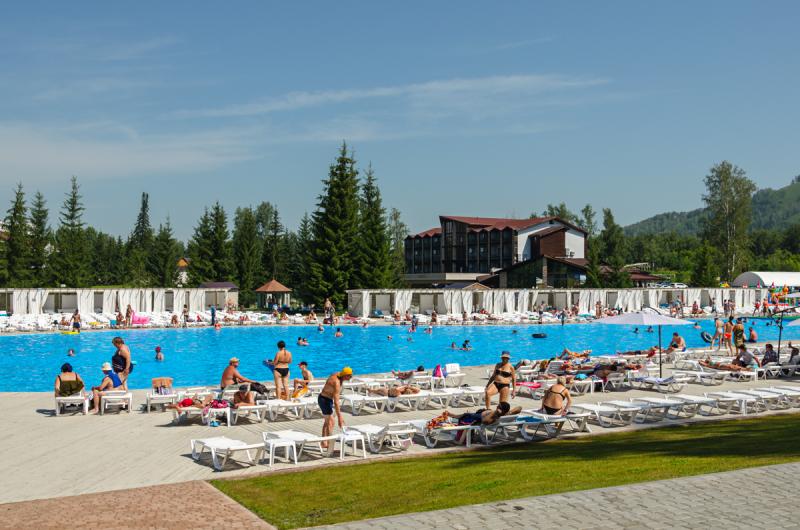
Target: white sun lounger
{"type": "Point", "coordinates": [290, 409]}
{"type": "Point", "coordinates": [116, 398]}
{"type": "Point", "coordinates": [771, 400]}
{"type": "Point", "coordinates": [225, 447]}
{"type": "Point", "coordinates": [445, 433]}
{"type": "Point", "coordinates": [303, 439]}
{"type": "Point", "coordinates": [792, 396]}
{"type": "Point", "coordinates": [703, 377]}
{"type": "Point", "coordinates": [609, 415]}
{"type": "Point", "coordinates": [577, 421]}
{"type": "Point", "coordinates": [395, 435]}
{"type": "Point", "coordinates": [260, 411]}
{"type": "Point", "coordinates": [707, 406]}
{"type": "Point", "coordinates": [677, 407]}
{"type": "Point", "coordinates": [510, 426]}
{"type": "Point", "coordinates": [648, 411]}
{"type": "Point", "coordinates": [471, 395]}
{"type": "Point", "coordinates": [359, 403]}
{"type": "Point", "coordinates": [80, 399]}
{"type": "Point", "coordinates": [743, 403]}
{"type": "Point", "coordinates": [409, 401]}
{"type": "Point", "coordinates": [668, 385]}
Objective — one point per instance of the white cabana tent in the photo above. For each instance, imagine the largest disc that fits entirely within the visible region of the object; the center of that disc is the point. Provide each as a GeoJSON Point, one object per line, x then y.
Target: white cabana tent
{"type": "Point", "coordinates": [766, 279]}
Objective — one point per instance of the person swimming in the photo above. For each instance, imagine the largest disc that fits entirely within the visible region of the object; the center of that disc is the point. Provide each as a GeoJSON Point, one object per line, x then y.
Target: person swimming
{"type": "Point", "coordinates": [388, 337]}
{"type": "Point", "coordinates": [466, 346]}
{"type": "Point", "coordinates": [453, 346]}
{"type": "Point", "coordinates": [159, 355]}
{"type": "Point", "coordinates": [338, 333]}
{"type": "Point", "coordinates": [70, 353]}
{"type": "Point", "coordinates": [320, 328]}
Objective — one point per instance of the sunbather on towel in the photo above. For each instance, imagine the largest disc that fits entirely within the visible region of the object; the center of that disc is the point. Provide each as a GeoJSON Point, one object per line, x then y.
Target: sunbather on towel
{"type": "Point", "coordinates": [395, 391]}
{"type": "Point", "coordinates": [111, 381]}
{"type": "Point", "coordinates": [723, 366]}
{"type": "Point", "coordinates": [191, 402]}
{"type": "Point", "coordinates": [68, 383]}
{"type": "Point", "coordinates": [407, 374]}
{"type": "Point", "coordinates": [484, 416]}
{"type": "Point", "coordinates": [568, 354]}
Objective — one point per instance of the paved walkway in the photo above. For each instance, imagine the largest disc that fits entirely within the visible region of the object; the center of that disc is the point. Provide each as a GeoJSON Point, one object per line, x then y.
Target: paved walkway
{"type": "Point", "coordinates": [761, 497]}
{"type": "Point", "coordinates": [188, 505]}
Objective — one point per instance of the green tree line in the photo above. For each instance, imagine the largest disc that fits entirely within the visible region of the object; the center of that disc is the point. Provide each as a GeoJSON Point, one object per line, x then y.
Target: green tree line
{"type": "Point", "coordinates": [349, 241]}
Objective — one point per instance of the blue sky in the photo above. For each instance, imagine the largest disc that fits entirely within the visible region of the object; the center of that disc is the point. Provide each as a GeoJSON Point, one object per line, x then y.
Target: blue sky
{"type": "Point", "coordinates": [467, 108]}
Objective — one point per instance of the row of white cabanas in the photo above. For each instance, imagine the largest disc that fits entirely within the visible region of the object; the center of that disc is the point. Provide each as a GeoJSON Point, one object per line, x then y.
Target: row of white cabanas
{"type": "Point", "coordinates": [145, 300]}
{"type": "Point", "coordinates": [497, 301]}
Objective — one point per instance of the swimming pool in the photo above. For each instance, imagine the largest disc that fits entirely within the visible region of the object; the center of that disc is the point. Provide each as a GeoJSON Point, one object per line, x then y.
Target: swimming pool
{"type": "Point", "coordinates": [197, 356]}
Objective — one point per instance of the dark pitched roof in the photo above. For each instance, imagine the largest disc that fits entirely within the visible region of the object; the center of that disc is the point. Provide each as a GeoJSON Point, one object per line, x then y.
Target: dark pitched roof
{"type": "Point", "coordinates": [501, 223]}
{"type": "Point", "coordinates": [470, 286]}
{"type": "Point", "coordinates": [431, 232]}
{"type": "Point", "coordinates": [218, 285]}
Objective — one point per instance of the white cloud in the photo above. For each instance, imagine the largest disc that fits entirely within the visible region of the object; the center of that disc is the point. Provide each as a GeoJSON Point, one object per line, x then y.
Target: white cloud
{"type": "Point", "coordinates": [104, 150]}
{"type": "Point", "coordinates": [434, 91]}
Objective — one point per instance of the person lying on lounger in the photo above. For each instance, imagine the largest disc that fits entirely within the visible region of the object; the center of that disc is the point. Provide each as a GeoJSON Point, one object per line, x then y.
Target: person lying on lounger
{"type": "Point", "coordinates": [723, 366]}
{"type": "Point", "coordinates": [568, 354]}
{"type": "Point", "coordinates": [407, 374]}
{"type": "Point", "coordinates": [650, 353]}
{"type": "Point", "coordinates": [395, 391]}
{"type": "Point", "coordinates": [191, 402]}
{"type": "Point", "coordinates": [484, 416]}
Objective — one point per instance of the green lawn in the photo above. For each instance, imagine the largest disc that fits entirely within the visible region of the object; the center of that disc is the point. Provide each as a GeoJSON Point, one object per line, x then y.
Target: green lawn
{"type": "Point", "coordinates": [345, 493]}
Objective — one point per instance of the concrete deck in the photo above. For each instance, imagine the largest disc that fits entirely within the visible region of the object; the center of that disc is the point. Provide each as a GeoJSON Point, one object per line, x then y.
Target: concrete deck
{"type": "Point", "coordinates": [47, 456]}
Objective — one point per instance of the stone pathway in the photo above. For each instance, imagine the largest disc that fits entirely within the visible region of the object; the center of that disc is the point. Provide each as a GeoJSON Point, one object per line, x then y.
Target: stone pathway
{"type": "Point", "coordinates": [762, 497]}
{"type": "Point", "coordinates": [187, 505]}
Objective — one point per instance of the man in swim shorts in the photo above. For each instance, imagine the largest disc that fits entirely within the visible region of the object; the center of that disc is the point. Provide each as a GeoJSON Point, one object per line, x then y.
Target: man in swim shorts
{"type": "Point", "coordinates": [328, 400]}
{"type": "Point", "coordinates": [231, 375]}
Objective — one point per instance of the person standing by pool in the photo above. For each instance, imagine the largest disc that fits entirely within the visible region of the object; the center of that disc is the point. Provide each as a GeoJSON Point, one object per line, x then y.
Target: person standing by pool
{"type": "Point", "coordinates": [328, 400]}
{"type": "Point", "coordinates": [717, 333]}
{"type": "Point", "coordinates": [121, 360]}
{"type": "Point", "coordinates": [128, 316]}
{"type": "Point", "coordinates": [727, 334]}
{"type": "Point", "coordinates": [738, 333]}
{"type": "Point", "coordinates": [213, 310]}
{"type": "Point", "coordinates": [503, 381]}
{"type": "Point", "coordinates": [281, 362]}
{"type": "Point", "coordinates": [185, 314]}
{"type": "Point", "coordinates": [76, 321]}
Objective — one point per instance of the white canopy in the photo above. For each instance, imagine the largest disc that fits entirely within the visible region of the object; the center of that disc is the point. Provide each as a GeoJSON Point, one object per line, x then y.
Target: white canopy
{"type": "Point", "coordinates": [766, 279]}
{"type": "Point", "coordinates": [643, 319]}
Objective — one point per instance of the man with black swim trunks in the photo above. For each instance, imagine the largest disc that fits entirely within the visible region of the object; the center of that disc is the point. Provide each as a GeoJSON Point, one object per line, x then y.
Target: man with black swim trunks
{"type": "Point", "coordinates": [328, 400]}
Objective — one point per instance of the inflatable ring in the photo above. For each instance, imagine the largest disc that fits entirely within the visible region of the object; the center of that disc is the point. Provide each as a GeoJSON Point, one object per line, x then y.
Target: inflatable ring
{"type": "Point", "coordinates": [539, 335]}
{"type": "Point", "coordinates": [706, 336]}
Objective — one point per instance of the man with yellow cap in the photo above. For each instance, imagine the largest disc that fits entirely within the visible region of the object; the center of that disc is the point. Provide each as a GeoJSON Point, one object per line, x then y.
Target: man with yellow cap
{"type": "Point", "coordinates": [328, 399]}
{"type": "Point", "coordinates": [231, 375]}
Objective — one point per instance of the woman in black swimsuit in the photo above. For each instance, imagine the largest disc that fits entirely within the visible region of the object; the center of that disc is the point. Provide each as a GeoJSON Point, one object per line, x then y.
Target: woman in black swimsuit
{"type": "Point", "coordinates": [281, 366]}
{"type": "Point", "coordinates": [556, 399]}
{"type": "Point", "coordinates": [503, 381]}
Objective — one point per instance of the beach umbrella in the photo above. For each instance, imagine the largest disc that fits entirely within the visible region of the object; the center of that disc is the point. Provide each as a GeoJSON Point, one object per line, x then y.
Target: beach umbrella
{"type": "Point", "coordinates": [646, 317]}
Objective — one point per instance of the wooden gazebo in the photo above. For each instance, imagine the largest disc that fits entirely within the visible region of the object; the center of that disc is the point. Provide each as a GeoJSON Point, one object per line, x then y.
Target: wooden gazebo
{"type": "Point", "coordinates": [271, 293]}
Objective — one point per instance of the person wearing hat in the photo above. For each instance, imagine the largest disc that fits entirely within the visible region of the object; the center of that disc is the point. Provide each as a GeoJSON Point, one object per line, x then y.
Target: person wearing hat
{"type": "Point", "coordinates": [111, 381]}
{"type": "Point", "coordinates": [244, 397]}
{"type": "Point", "coordinates": [231, 375]}
{"type": "Point", "coordinates": [328, 400]}
{"type": "Point", "coordinates": [159, 354]}
{"type": "Point", "coordinates": [503, 381]}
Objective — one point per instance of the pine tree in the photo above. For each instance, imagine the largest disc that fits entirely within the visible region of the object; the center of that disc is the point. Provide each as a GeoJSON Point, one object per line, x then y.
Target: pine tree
{"type": "Point", "coordinates": [612, 243]}
{"type": "Point", "coordinates": [300, 272]}
{"type": "Point", "coordinates": [164, 256]}
{"type": "Point", "coordinates": [200, 253]}
{"type": "Point", "coordinates": [374, 263]}
{"type": "Point", "coordinates": [272, 259]}
{"type": "Point", "coordinates": [398, 231]}
{"type": "Point", "coordinates": [18, 250]}
{"type": "Point", "coordinates": [3, 262]}
{"type": "Point", "coordinates": [246, 254]}
{"type": "Point", "coordinates": [107, 266]}
{"type": "Point", "coordinates": [594, 276]}
{"type": "Point", "coordinates": [221, 256]}
{"type": "Point", "coordinates": [142, 235]}
{"type": "Point", "coordinates": [40, 238]}
{"type": "Point", "coordinates": [71, 258]}
{"type": "Point", "coordinates": [335, 228]}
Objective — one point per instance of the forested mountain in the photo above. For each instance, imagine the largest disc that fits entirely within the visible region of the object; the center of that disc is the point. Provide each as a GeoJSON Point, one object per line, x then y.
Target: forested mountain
{"type": "Point", "coordinates": [772, 209]}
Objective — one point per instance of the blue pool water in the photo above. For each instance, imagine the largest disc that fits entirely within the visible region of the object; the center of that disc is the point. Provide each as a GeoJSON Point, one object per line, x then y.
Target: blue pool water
{"type": "Point", "coordinates": [31, 362]}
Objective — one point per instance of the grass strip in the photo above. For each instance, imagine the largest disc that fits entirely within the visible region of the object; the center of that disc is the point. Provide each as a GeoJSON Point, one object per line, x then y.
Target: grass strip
{"type": "Point", "coordinates": [348, 493]}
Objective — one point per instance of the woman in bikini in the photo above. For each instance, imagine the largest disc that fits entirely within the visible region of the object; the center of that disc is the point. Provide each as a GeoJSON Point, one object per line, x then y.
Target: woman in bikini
{"type": "Point", "coordinates": [503, 381]}
{"type": "Point", "coordinates": [556, 399]}
{"type": "Point", "coordinates": [281, 366]}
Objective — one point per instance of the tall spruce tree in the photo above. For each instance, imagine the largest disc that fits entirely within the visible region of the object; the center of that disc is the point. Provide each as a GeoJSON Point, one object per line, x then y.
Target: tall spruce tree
{"type": "Point", "coordinates": [200, 253]}
{"type": "Point", "coordinates": [221, 256]}
{"type": "Point", "coordinates": [142, 234]}
{"type": "Point", "coordinates": [163, 259]}
{"type": "Point", "coordinates": [272, 259]}
{"type": "Point", "coordinates": [246, 254]}
{"type": "Point", "coordinates": [398, 231]}
{"type": "Point", "coordinates": [728, 198]}
{"type": "Point", "coordinates": [335, 223]}
{"type": "Point", "coordinates": [18, 250]}
{"type": "Point", "coordinates": [302, 264]}
{"type": "Point", "coordinates": [72, 257]}
{"type": "Point", "coordinates": [374, 263]}
{"type": "Point", "coordinates": [40, 238]}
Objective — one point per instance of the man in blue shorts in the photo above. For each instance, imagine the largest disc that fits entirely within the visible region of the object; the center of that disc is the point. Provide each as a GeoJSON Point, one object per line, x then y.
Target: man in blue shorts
{"type": "Point", "coordinates": [328, 400]}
